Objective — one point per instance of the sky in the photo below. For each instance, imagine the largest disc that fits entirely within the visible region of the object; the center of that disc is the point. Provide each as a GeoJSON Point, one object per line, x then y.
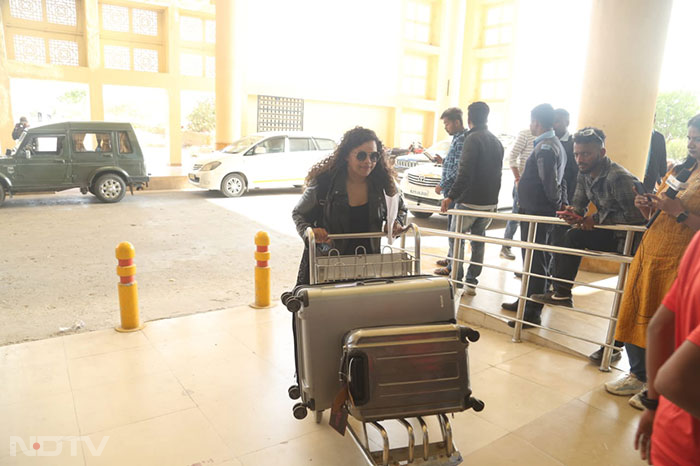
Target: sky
{"type": "Point", "coordinates": [681, 68]}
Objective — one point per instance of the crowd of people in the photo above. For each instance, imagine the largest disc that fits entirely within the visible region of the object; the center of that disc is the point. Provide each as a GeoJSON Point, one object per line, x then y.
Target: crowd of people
{"type": "Point", "coordinates": [571, 177]}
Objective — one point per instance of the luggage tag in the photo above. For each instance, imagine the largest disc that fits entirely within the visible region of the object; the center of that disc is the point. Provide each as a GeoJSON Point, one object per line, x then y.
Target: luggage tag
{"type": "Point", "coordinates": [339, 411]}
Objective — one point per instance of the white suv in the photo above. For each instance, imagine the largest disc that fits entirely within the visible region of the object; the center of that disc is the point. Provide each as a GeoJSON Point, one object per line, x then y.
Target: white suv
{"type": "Point", "coordinates": [261, 160]}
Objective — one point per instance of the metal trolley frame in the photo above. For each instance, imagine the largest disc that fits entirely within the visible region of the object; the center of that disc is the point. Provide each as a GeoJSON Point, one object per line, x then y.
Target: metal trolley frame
{"type": "Point", "coordinates": [392, 262]}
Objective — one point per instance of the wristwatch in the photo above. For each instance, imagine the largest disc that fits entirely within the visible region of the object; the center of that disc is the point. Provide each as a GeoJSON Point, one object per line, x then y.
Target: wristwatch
{"type": "Point", "coordinates": [646, 402]}
{"type": "Point", "coordinates": [682, 217]}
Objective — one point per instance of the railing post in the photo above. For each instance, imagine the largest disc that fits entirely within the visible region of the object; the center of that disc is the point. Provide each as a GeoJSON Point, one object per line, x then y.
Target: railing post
{"type": "Point", "coordinates": [621, 276]}
{"type": "Point", "coordinates": [456, 250]}
{"type": "Point", "coordinates": [311, 238]}
{"type": "Point", "coordinates": [525, 281]}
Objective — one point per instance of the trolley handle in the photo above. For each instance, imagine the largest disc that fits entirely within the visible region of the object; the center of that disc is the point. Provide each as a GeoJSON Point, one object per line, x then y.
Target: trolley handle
{"type": "Point", "coordinates": [376, 234]}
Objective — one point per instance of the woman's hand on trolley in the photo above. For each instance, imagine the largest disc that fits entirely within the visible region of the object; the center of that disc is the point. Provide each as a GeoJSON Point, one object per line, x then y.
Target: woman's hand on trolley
{"type": "Point", "coordinates": [321, 235]}
{"type": "Point", "coordinates": [397, 229]}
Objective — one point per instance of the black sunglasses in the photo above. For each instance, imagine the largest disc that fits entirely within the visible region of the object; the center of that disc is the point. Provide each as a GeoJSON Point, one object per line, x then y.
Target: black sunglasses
{"type": "Point", "coordinates": [362, 155]}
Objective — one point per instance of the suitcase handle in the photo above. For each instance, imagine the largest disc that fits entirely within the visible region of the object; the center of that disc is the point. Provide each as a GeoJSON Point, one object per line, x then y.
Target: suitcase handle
{"type": "Point", "coordinates": [358, 378]}
{"type": "Point", "coordinates": [371, 281]}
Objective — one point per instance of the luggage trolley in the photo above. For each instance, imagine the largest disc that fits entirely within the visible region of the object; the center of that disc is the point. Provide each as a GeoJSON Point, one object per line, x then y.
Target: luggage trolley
{"type": "Point", "coordinates": [393, 262]}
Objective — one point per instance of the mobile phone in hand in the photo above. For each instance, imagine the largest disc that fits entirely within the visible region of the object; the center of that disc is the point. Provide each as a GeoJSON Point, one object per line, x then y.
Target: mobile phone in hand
{"type": "Point", "coordinates": [639, 187]}
{"type": "Point", "coordinates": [567, 214]}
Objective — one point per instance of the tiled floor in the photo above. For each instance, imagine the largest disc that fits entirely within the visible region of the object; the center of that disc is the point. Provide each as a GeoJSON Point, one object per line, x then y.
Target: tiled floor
{"type": "Point", "coordinates": [212, 389]}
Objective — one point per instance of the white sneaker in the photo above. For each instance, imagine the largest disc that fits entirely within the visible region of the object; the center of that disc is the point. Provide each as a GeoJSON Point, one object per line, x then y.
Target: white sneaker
{"type": "Point", "coordinates": [626, 385]}
{"type": "Point", "coordinates": [636, 400]}
{"type": "Point", "coordinates": [470, 290]}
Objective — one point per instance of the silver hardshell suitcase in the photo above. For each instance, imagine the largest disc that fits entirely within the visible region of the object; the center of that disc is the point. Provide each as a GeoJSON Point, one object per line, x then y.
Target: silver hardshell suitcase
{"type": "Point", "coordinates": [408, 371]}
{"type": "Point", "coordinates": [324, 314]}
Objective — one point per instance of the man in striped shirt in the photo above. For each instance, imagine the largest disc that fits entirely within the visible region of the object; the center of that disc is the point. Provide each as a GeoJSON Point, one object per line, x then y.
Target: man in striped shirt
{"type": "Point", "coordinates": [454, 125]}
{"type": "Point", "coordinates": [521, 150]}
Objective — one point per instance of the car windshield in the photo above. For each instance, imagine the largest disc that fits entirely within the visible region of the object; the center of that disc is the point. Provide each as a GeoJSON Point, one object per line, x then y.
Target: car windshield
{"type": "Point", "coordinates": [241, 145]}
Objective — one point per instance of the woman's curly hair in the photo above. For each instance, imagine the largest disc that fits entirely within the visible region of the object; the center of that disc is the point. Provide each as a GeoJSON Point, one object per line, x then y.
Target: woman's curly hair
{"type": "Point", "coordinates": [383, 174]}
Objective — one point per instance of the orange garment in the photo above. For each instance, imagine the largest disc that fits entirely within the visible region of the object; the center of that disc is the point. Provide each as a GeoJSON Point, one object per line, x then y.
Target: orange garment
{"type": "Point", "coordinates": [655, 266]}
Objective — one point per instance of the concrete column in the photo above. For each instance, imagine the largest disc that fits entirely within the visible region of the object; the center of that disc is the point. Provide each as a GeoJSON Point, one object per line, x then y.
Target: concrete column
{"type": "Point", "coordinates": [467, 85]}
{"type": "Point", "coordinates": [174, 129]}
{"type": "Point", "coordinates": [229, 86]}
{"type": "Point", "coordinates": [93, 58]}
{"type": "Point", "coordinates": [621, 80]}
{"type": "Point", "coordinates": [172, 33]}
{"type": "Point", "coordinates": [6, 123]}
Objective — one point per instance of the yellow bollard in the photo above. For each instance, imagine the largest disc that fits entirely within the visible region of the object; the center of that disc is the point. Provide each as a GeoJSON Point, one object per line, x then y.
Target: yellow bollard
{"type": "Point", "coordinates": [262, 271]}
{"type": "Point", "coordinates": [128, 289]}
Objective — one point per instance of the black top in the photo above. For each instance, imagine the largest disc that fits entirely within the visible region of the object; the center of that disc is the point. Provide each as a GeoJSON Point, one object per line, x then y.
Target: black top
{"type": "Point", "coordinates": [359, 223]}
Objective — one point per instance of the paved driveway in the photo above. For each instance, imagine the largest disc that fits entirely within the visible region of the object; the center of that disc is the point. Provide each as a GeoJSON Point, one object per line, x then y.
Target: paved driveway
{"type": "Point", "coordinates": [194, 253]}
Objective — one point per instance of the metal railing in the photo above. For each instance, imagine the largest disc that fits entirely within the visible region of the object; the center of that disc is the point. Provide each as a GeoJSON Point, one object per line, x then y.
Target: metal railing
{"type": "Point", "coordinates": [529, 246]}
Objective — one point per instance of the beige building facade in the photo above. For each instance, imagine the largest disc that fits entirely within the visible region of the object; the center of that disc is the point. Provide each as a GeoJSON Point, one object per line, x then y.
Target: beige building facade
{"type": "Point", "coordinates": [430, 54]}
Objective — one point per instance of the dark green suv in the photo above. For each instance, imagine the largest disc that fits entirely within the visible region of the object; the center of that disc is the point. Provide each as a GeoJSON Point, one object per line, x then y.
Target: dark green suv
{"type": "Point", "coordinates": [100, 157]}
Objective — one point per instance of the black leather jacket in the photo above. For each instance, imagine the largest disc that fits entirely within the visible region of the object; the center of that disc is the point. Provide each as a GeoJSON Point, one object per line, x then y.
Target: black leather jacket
{"type": "Point", "coordinates": [324, 204]}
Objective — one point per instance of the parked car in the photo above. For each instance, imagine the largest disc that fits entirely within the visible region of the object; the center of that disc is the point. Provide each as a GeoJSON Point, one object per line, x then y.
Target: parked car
{"type": "Point", "coordinates": [261, 160]}
{"type": "Point", "coordinates": [433, 154]}
{"type": "Point", "coordinates": [98, 157]}
{"type": "Point", "coordinates": [418, 184]}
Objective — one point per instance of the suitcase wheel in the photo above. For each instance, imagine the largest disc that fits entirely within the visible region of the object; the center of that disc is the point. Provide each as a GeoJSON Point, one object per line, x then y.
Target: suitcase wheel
{"type": "Point", "coordinates": [476, 404]}
{"type": "Point", "coordinates": [294, 392]}
{"type": "Point", "coordinates": [469, 334]}
{"type": "Point", "coordinates": [293, 304]}
{"type": "Point", "coordinates": [299, 411]}
{"type": "Point", "coordinates": [285, 297]}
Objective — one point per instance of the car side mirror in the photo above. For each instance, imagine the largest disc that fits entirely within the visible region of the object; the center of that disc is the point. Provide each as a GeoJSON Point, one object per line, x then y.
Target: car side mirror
{"type": "Point", "coordinates": [260, 150]}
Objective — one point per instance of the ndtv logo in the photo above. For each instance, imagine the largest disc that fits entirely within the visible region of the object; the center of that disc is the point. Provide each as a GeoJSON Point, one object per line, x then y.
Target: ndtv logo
{"type": "Point", "coordinates": [52, 445]}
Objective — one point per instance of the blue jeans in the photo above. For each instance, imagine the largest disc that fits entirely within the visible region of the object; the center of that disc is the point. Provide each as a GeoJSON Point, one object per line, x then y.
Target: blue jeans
{"type": "Point", "coordinates": [636, 356]}
{"type": "Point", "coordinates": [512, 225]}
{"type": "Point", "coordinates": [475, 226]}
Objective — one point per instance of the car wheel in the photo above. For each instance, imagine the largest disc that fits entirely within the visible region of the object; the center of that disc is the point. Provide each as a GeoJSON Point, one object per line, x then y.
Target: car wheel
{"type": "Point", "coordinates": [233, 185]}
{"type": "Point", "coordinates": [2, 194]}
{"type": "Point", "coordinates": [421, 214]}
{"type": "Point", "coordinates": [110, 188]}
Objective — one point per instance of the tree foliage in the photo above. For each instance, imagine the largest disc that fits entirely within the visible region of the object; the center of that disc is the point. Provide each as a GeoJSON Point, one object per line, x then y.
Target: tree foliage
{"type": "Point", "coordinates": [202, 119]}
{"type": "Point", "coordinates": [673, 110]}
{"type": "Point", "coordinates": [73, 97]}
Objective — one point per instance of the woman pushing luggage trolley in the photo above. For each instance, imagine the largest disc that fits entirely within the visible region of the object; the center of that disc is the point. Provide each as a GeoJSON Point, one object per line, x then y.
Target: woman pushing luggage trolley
{"type": "Point", "coordinates": [373, 338]}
